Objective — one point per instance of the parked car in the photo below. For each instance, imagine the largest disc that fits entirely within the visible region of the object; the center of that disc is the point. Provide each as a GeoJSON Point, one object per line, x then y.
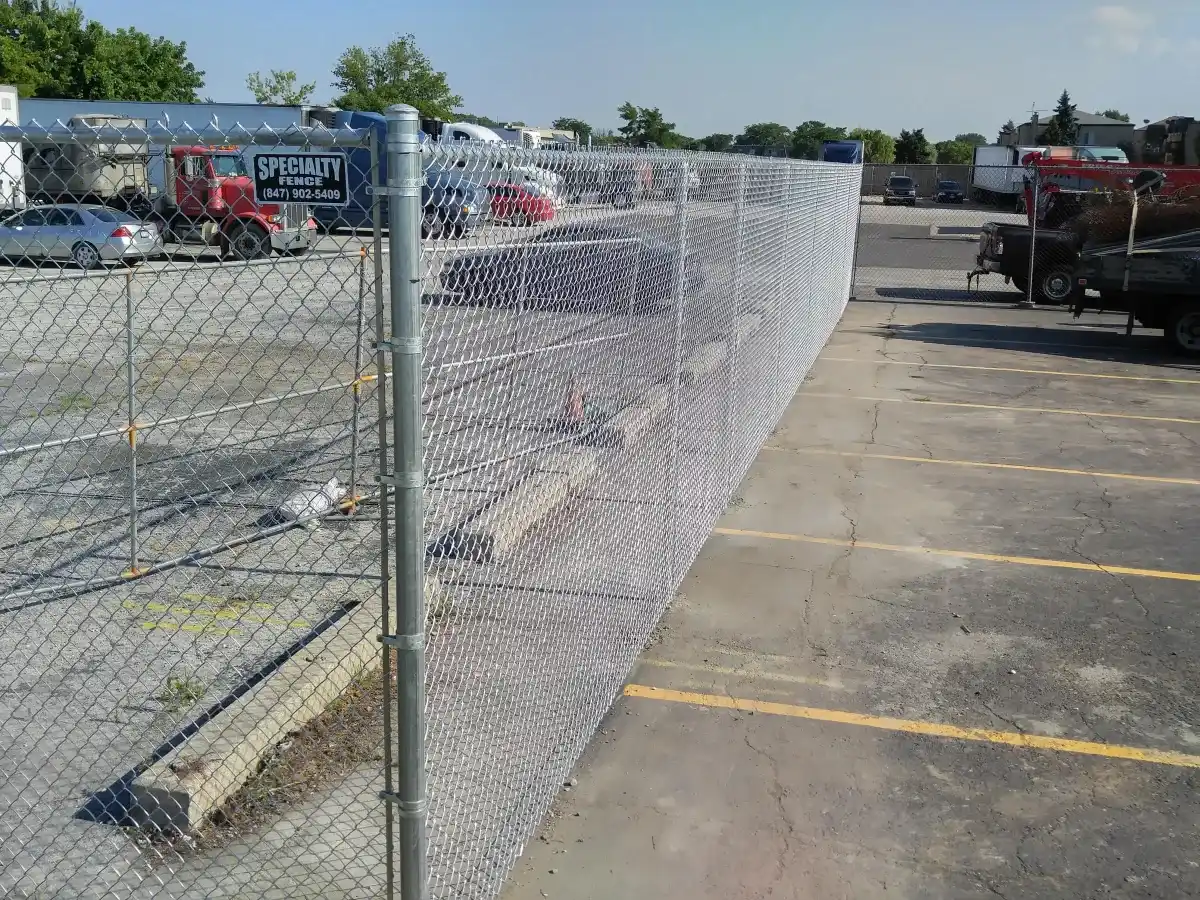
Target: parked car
{"type": "Point", "coordinates": [900, 189]}
{"type": "Point", "coordinates": [588, 265]}
{"type": "Point", "coordinates": [515, 204]}
{"type": "Point", "coordinates": [453, 204]}
{"type": "Point", "coordinates": [950, 192]}
{"type": "Point", "coordinates": [86, 235]}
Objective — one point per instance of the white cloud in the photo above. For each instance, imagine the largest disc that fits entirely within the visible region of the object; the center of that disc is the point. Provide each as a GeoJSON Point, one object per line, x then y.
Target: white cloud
{"type": "Point", "coordinates": [1125, 30]}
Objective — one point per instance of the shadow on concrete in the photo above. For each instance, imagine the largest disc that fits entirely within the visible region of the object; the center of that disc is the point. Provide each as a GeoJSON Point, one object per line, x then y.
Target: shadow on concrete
{"type": "Point", "coordinates": [1102, 341]}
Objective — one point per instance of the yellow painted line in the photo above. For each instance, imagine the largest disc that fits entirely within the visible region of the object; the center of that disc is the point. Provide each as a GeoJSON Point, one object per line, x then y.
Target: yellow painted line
{"type": "Point", "coordinates": [963, 554]}
{"type": "Point", "coordinates": [222, 601]}
{"type": "Point", "coordinates": [754, 672]}
{"type": "Point", "coordinates": [201, 629]}
{"type": "Point", "coordinates": [1027, 409]}
{"type": "Point", "coordinates": [1157, 479]}
{"type": "Point", "coordinates": [921, 365]}
{"type": "Point", "coordinates": [234, 614]}
{"type": "Point", "coordinates": [909, 726]}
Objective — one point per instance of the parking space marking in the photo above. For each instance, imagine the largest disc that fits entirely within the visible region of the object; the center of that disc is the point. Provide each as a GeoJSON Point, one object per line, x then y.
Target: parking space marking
{"type": "Point", "coordinates": [921, 365]}
{"type": "Point", "coordinates": [751, 672]}
{"type": "Point", "coordinates": [1026, 409]}
{"type": "Point", "coordinates": [911, 726]}
{"type": "Point", "coordinates": [962, 554]}
{"type": "Point", "coordinates": [1051, 470]}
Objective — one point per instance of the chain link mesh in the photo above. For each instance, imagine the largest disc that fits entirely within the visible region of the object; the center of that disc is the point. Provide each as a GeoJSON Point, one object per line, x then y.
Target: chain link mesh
{"type": "Point", "coordinates": [602, 364]}
{"type": "Point", "coordinates": [194, 543]}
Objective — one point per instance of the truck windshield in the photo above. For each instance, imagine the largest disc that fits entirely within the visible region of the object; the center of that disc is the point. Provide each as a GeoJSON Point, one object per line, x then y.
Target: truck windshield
{"type": "Point", "coordinates": [228, 165]}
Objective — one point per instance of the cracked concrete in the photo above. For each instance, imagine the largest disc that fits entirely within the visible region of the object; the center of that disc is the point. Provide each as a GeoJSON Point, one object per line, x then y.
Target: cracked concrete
{"type": "Point", "coordinates": [683, 801]}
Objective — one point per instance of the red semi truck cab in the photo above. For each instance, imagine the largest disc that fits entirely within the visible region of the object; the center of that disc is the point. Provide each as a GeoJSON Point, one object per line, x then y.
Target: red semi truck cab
{"type": "Point", "coordinates": [208, 197]}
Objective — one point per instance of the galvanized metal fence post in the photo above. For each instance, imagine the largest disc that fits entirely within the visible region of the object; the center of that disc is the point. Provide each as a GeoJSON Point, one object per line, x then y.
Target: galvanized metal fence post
{"type": "Point", "coordinates": [385, 545]}
{"type": "Point", "coordinates": [681, 222]}
{"type": "Point", "coordinates": [356, 386]}
{"type": "Point", "coordinates": [739, 227]}
{"type": "Point", "coordinates": [1032, 212]}
{"type": "Point", "coordinates": [404, 225]}
{"type": "Point", "coordinates": [857, 241]}
{"type": "Point", "coordinates": [131, 401]}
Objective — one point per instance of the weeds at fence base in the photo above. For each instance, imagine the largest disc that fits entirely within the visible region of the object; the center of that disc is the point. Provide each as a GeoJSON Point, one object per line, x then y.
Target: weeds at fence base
{"type": "Point", "coordinates": [341, 740]}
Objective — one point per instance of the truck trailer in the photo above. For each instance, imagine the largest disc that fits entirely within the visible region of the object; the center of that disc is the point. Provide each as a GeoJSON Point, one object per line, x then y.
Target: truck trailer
{"type": "Point", "coordinates": [998, 175]}
{"type": "Point", "coordinates": [195, 194]}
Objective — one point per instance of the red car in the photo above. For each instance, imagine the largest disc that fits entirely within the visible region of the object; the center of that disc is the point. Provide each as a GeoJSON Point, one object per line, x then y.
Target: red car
{"type": "Point", "coordinates": [518, 205]}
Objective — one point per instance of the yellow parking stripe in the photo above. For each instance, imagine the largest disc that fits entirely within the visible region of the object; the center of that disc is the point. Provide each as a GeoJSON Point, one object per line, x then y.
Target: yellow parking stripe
{"type": "Point", "coordinates": [910, 726]}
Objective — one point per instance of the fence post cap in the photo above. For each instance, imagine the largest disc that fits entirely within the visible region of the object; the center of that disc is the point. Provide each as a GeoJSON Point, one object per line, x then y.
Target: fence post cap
{"type": "Point", "coordinates": [402, 111]}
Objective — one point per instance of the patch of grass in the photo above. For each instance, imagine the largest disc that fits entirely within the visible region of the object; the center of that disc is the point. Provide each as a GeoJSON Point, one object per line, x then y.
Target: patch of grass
{"type": "Point", "coordinates": [180, 693]}
{"type": "Point", "coordinates": [75, 401]}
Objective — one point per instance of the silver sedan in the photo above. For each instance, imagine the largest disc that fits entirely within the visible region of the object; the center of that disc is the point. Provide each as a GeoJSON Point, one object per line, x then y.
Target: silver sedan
{"type": "Point", "coordinates": [86, 235]}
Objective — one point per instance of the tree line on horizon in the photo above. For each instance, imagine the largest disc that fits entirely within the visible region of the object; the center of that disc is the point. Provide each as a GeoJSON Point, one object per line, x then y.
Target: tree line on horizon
{"type": "Point", "coordinates": [53, 51]}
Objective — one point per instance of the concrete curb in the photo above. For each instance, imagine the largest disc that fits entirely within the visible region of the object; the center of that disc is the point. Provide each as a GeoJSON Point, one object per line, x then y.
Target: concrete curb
{"type": "Point", "coordinates": [181, 790]}
{"type": "Point", "coordinates": [493, 533]}
{"type": "Point", "coordinates": [936, 234]}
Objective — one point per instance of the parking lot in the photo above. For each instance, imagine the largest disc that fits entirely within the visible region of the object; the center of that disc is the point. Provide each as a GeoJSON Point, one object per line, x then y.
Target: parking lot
{"type": "Point", "coordinates": [942, 643]}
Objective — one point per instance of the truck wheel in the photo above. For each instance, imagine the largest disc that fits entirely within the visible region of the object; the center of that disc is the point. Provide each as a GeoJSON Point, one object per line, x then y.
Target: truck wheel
{"type": "Point", "coordinates": [85, 256]}
{"type": "Point", "coordinates": [250, 242]}
{"type": "Point", "coordinates": [1183, 328]}
{"type": "Point", "coordinates": [1021, 283]}
{"type": "Point", "coordinates": [1054, 286]}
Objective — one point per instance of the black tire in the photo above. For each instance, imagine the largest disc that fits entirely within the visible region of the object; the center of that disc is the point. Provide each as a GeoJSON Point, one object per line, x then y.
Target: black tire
{"type": "Point", "coordinates": [1054, 286]}
{"type": "Point", "coordinates": [1183, 327]}
{"type": "Point", "coordinates": [1021, 283]}
{"type": "Point", "coordinates": [249, 242]}
{"type": "Point", "coordinates": [85, 255]}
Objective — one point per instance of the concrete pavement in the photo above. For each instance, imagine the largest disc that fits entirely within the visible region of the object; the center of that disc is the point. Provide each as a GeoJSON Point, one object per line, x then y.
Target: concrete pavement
{"type": "Point", "coordinates": [941, 645]}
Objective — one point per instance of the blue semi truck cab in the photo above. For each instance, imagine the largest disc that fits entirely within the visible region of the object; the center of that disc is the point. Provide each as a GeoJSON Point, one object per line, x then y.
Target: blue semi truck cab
{"type": "Point", "coordinates": [842, 152]}
{"type": "Point", "coordinates": [357, 213]}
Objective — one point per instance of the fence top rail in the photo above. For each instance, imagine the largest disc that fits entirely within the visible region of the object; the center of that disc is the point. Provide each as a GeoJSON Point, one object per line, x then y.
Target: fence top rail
{"type": "Point", "coordinates": [183, 133]}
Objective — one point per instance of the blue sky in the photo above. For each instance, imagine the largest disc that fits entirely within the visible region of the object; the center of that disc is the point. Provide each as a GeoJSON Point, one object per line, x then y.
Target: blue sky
{"type": "Point", "coordinates": [945, 65]}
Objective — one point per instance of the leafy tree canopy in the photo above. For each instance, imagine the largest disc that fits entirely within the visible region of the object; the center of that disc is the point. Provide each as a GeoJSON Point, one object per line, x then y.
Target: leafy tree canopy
{"type": "Point", "coordinates": [581, 129]}
{"type": "Point", "coordinates": [1115, 114]}
{"type": "Point", "coordinates": [374, 79]}
{"type": "Point", "coordinates": [645, 126]}
{"type": "Point", "coordinates": [955, 153]}
{"type": "Point", "coordinates": [913, 147]}
{"type": "Point", "coordinates": [48, 50]}
{"type": "Point", "coordinates": [974, 138]}
{"type": "Point", "coordinates": [279, 88]}
{"type": "Point", "coordinates": [769, 135]}
{"type": "Point", "coordinates": [717, 143]}
{"type": "Point", "coordinates": [878, 147]}
{"type": "Point", "coordinates": [808, 137]}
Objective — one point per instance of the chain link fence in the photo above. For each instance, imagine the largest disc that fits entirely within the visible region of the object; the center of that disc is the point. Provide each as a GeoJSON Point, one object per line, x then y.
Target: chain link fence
{"type": "Point", "coordinates": [494, 429]}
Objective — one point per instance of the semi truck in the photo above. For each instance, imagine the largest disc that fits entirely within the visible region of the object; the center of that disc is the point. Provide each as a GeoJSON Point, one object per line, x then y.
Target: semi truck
{"type": "Point", "coordinates": [998, 176]}
{"type": "Point", "coordinates": [842, 151]}
{"type": "Point", "coordinates": [12, 167]}
{"type": "Point", "coordinates": [195, 194]}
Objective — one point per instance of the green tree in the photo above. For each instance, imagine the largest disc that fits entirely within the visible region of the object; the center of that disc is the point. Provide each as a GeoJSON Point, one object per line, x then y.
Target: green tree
{"type": "Point", "coordinates": [974, 138]}
{"type": "Point", "coordinates": [955, 153]}
{"type": "Point", "coordinates": [48, 50]}
{"type": "Point", "coordinates": [279, 88]}
{"type": "Point", "coordinates": [485, 121]}
{"type": "Point", "coordinates": [878, 147]}
{"type": "Point", "coordinates": [1063, 129]}
{"type": "Point", "coordinates": [581, 129]}
{"type": "Point", "coordinates": [1115, 114]}
{"type": "Point", "coordinates": [1007, 130]}
{"type": "Point", "coordinates": [372, 80]}
{"type": "Point", "coordinates": [646, 126]}
{"type": "Point", "coordinates": [913, 147]}
{"type": "Point", "coordinates": [770, 136]}
{"type": "Point", "coordinates": [717, 143]}
{"type": "Point", "coordinates": [808, 137]}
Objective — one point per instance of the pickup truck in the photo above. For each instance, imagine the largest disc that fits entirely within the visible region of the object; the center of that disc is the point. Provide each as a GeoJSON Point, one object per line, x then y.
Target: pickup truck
{"type": "Point", "coordinates": [1004, 250]}
{"type": "Point", "coordinates": [1164, 284]}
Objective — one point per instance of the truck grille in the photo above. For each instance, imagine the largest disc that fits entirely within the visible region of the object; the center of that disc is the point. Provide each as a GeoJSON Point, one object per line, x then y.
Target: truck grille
{"type": "Point", "coordinates": [295, 215]}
